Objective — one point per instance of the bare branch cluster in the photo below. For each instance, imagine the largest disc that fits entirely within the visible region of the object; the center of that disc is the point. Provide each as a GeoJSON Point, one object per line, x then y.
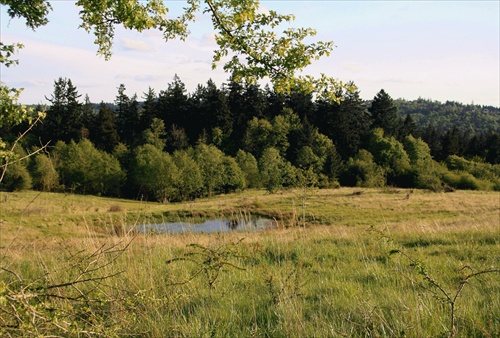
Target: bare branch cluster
{"type": "Point", "coordinates": [69, 300]}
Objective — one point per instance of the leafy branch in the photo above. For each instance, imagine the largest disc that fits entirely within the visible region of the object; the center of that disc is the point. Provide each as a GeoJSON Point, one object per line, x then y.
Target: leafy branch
{"type": "Point", "coordinates": [260, 52]}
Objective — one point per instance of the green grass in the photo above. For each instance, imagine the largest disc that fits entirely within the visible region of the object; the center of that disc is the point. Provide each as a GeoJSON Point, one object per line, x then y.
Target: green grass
{"type": "Point", "coordinates": [335, 277]}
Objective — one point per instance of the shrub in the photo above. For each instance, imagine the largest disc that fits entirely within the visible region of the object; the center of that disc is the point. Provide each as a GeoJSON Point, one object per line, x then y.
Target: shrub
{"type": "Point", "coordinates": [210, 160]}
{"type": "Point", "coordinates": [275, 171]}
{"type": "Point", "coordinates": [480, 170]}
{"type": "Point", "coordinates": [233, 178]}
{"type": "Point", "coordinates": [465, 181]}
{"type": "Point", "coordinates": [388, 153]}
{"type": "Point", "coordinates": [190, 181]}
{"type": "Point", "coordinates": [250, 168]}
{"type": "Point", "coordinates": [362, 171]}
{"type": "Point", "coordinates": [87, 170]}
{"type": "Point", "coordinates": [154, 173]}
{"type": "Point", "coordinates": [44, 173]}
{"type": "Point", "coordinates": [16, 178]}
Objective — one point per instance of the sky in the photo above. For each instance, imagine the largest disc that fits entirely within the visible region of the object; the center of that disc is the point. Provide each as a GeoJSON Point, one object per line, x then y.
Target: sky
{"type": "Point", "coordinates": [438, 50]}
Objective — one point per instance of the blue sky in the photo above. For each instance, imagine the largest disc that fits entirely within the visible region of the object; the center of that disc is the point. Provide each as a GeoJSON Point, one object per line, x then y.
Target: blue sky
{"type": "Point", "coordinates": [439, 50]}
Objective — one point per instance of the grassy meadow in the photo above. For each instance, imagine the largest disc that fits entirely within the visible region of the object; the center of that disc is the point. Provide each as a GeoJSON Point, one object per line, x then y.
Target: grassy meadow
{"type": "Point", "coordinates": [340, 263]}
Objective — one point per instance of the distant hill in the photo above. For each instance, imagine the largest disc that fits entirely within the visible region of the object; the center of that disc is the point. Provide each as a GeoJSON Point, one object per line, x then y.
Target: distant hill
{"type": "Point", "coordinates": [470, 118]}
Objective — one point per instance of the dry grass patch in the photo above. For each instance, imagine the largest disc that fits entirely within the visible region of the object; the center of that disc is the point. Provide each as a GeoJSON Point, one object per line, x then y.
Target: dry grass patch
{"type": "Point", "coordinates": [115, 208]}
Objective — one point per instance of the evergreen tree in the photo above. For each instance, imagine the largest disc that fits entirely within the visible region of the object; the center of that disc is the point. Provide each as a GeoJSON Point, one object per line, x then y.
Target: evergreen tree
{"type": "Point", "coordinates": [121, 106]}
{"type": "Point", "coordinates": [300, 136]}
{"type": "Point", "coordinates": [493, 148]}
{"type": "Point", "coordinates": [276, 102]}
{"type": "Point", "coordinates": [149, 109]}
{"type": "Point", "coordinates": [104, 133]}
{"type": "Point", "coordinates": [237, 107]}
{"type": "Point", "coordinates": [302, 104]}
{"type": "Point", "coordinates": [177, 139]}
{"type": "Point", "coordinates": [408, 127]}
{"type": "Point", "coordinates": [64, 116]}
{"type": "Point", "coordinates": [128, 119]}
{"type": "Point", "coordinates": [173, 105]}
{"type": "Point", "coordinates": [88, 118]}
{"type": "Point", "coordinates": [216, 109]}
{"type": "Point", "coordinates": [333, 165]}
{"type": "Point", "coordinates": [384, 113]}
{"type": "Point", "coordinates": [327, 114]}
{"type": "Point", "coordinates": [194, 114]}
{"type": "Point", "coordinates": [246, 101]}
{"type": "Point", "coordinates": [451, 144]}
{"type": "Point", "coordinates": [255, 102]}
{"type": "Point", "coordinates": [431, 137]}
{"type": "Point", "coordinates": [475, 147]}
{"type": "Point", "coordinates": [350, 129]}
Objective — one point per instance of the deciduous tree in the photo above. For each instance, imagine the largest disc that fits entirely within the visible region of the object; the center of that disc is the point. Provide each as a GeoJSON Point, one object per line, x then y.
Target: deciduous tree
{"type": "Point", "coordinates": [87, 170]}
{"type": "Point", "coordinates": [154, 174]}
{"type": "Point", "coordinates": [250, 168]}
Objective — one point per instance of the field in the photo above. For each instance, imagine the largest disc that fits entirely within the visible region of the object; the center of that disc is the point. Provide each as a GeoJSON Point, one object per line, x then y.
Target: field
{"type": "Point", "coordinates": [340, 263]}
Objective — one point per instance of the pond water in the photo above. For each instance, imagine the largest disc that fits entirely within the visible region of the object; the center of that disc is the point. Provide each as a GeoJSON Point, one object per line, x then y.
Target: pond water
{"type": "Point", "coordinates": [213, 225]}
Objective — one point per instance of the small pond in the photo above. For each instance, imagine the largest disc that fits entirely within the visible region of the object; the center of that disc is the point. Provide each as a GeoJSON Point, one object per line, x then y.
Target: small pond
{"type": "Point", "coordinates": [213, 225]}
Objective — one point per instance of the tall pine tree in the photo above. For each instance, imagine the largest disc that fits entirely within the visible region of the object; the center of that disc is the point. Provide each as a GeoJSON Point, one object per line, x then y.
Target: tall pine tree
{"type": "Point", "coordinates": [64, 116]}
{"type": "Point", "coordinates": [351, 128]}
{"type": "Point", "coordinates": [128, 120]}
{"type": "Point", "coordinates": [384, 114]}
{"type": "Point", "coordinates": [104, 134]}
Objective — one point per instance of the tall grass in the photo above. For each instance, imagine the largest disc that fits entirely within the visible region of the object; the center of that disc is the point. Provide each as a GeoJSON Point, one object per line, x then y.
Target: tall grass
{"type": "Point", "coordinates": [332, 278]}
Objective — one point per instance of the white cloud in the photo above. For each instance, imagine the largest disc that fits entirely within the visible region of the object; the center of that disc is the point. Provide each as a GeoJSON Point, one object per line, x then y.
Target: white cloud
{"type": "Point", "coordinates": [99, 79]}
{"type": "Point", "coordinates": [135, 45]}
{"type": "Point", "coordinates": [353, 67]}
{"type": "Point", "coordinates": [262, 10]}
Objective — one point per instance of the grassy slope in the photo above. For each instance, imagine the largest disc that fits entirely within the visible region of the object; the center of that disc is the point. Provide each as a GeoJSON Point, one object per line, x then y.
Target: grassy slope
{"type": "Point", "coordinates": [335, 277]}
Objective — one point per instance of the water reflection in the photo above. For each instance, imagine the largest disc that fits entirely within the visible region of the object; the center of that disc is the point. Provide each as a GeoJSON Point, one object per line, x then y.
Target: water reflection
{"type": "Point", "coordinates": [214, 225]}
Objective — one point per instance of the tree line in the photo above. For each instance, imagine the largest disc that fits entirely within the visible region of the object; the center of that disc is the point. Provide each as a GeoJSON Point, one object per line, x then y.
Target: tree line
{"type": "Point", "coordinates": [174, 145]}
